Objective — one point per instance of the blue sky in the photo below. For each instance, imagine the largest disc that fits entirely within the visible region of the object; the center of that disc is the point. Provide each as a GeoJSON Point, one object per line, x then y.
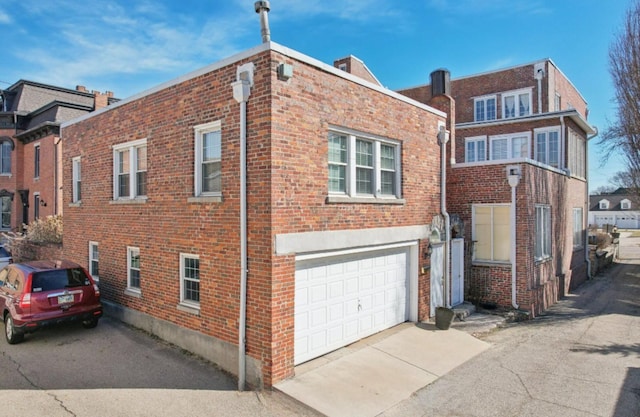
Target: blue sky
{"type": "Point", "coordinates": [127, 46]}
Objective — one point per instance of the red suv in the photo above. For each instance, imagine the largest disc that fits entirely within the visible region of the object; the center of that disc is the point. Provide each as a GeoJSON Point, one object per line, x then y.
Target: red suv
{"type": "Point", "coordinates": [41, 293]}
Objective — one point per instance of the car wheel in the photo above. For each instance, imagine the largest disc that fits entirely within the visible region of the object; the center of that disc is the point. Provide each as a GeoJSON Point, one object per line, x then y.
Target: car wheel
{"type": "Point", "coordinates": [10, 331]}
{"type": "Point", "coordinates": [89, 324]}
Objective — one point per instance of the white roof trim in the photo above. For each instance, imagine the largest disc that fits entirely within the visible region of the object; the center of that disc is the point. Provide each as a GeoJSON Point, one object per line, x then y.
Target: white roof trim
{"type": "Point", "coordinates": [246, 54]}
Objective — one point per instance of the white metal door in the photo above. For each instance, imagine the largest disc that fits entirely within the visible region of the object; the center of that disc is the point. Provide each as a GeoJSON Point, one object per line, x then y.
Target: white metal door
{"type": "Point", "coordinates": [342, 299]}
{"type": "Point", "coordinates": [457, 271]}
{"type": "Point", "coordinates": [437, 273]}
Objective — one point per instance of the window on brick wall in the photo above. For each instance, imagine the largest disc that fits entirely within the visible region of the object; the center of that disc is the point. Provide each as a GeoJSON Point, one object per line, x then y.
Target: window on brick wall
{"type": "Point", "coordinates": [516, 103]}
{"type": "Point", "coordinates": [548, 147]}
{"type": "Point", "coordinates": [491, 232]}
{"type": "Point", "coordinates": [133, 269]}
{"type": "Point", "coordinates": [208, 159]}
{"type": "Point", "coordinates": [130, 170]}
{"type": "Point", "coordinates": [578, 227]}
{"type": "Point", "coordinates": [36, 161]}
{"type": "Point", "coordinates": [543, 232]}
{"type": "Point", "coordinates": [485, 108]}
{"type": "Point", "coordinates": [363, 166]}
{"type": "Point", "coordinates": [36, 206]}
{"type": "Point", "coordinates": [76, 175]}
{"type": "Point", "coordinates": [475, 149]}
{"type": "Point", "coordinates": [190, 280]}
{"type": "Point", "coordinates": [511, 146]}
{"type": "Point", "coordinates": [6, 212]}
{"type": "Point", "coordinates": [93, 261]}
{"type": "Point", "coordinates": [577, 154]}
{"type": "Point", "coordinates": [5, 157]}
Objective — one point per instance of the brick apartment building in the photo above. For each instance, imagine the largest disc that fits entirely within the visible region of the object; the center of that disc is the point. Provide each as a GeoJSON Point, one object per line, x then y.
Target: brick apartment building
{"type": "Point", "coordinates": [516, 186]}
{"type": "Point", "coordinates": [342, 186]}
{"type": "Point", "coordinates": [30, 147]}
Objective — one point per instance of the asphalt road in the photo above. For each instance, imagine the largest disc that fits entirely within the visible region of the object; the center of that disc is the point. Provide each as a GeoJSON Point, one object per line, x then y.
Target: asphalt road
{"type": "Point", "coordinates": [581, 359]}
{"type": "Point", "coordinates": [115, 370]}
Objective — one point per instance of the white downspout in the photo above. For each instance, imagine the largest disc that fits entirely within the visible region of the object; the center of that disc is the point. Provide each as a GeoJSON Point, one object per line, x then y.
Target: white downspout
{"type": "Point", "coordinates": [443, 138]}
{"type": "Point", "coordinates": [513, 176]}
{"type": "Point", "coordinates": [241, 93]}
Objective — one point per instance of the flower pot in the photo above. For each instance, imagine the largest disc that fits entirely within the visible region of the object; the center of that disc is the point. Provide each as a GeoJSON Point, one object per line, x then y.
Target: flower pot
{"type": "Point", "coordinates": [444, 318]}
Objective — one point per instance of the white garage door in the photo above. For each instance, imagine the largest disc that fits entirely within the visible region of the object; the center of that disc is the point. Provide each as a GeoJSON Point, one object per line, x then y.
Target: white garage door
{"type": "Point", "coordinates": [341, 299]}
{"type": "Point", "coordinates": [626, 222]}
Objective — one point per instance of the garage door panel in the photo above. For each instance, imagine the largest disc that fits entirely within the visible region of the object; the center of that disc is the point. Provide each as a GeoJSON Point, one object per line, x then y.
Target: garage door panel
{"type": "Point", "coordinates": [342, 299]}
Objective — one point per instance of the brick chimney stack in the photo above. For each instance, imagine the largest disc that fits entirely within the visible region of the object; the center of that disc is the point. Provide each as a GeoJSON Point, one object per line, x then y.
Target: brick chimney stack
{"type": "Point", "coordinates": [81, 88]}
{"type": "Point", "coordinates": [101, 99]}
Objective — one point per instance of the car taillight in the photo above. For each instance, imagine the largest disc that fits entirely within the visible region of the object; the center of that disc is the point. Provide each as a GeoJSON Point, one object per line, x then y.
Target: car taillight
{"type": "Point", "coordinates": [96, 290]}
{"type": "Point", "coordinates": [25, 300]}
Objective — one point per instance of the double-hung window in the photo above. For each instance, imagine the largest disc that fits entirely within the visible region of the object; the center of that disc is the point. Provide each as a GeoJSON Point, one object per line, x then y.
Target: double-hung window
{"type": "Point", "coordinates": [190, 280]}
{"type": "Point", "coordinates": [543, 232]}
{"type": "Point", "coordinates": [133, 268]}
{"type": "Point", "coordinates": [130, 170]}
{"type": "Point", "coordinates": [485, 108]}
{"type": "Point", "coordinates": [491, 232]}
{"type": "Point", "coordinates": [576, 154]}
{"type": "Point", "coordinates": [208, 159]}
{"type": "Point", "coordinates": [6, 212]}
{"type": "Point", "coordinates": [578, 228]}
{"type": "Point", "coordinates": [547, 146]}
{"type": "Point", "coordinates": [76, 176]}
{"type": "Point", "coordinates": [94, 260]}
{"type": "Point", "coordinates": [516, 103]}
{"type": "Point", "coordinates": [363, 166]}
{"type": "Point", "coordinates": [510, 146]}
{"type": "Point", "coordinates": [475, 149]}
{"type": "Point", "coordinates": [36, 206]}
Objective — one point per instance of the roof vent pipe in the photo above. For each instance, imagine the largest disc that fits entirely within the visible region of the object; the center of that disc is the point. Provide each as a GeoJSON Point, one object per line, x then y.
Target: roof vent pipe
{"type": "Point", "coordinates": [262, 7]}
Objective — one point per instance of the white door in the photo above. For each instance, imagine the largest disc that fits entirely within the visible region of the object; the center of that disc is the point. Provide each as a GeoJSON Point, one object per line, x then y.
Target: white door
{"type": "Point", "coordinates": [342, 299]}
{"type": "Point", "coordinates": [437, 274]}
{"type": "Point", "coordinates": [457, 271]}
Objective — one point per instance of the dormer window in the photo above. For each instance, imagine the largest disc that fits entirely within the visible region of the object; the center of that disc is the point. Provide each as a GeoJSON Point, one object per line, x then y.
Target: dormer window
{"type": "Point", "coordinates": [604, 204]}
{"type": "Point", "coordinates": [625, 204]}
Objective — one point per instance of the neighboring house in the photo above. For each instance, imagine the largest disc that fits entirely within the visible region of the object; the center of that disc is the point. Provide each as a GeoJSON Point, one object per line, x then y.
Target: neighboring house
{"type": "Point", "coordinates": [516, 185]}
{"type": "Point", "coordinates": [619, 209]}
{"type": "Point", "coordinates": [30, 150]}
{"type": "Point", "coordinates": [330, 244]}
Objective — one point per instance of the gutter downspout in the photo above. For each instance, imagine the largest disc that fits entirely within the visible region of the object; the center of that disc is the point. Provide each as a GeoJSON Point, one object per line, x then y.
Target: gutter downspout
{"type": "Point", "coordinates": [513, 176]}
{"type": "Point", "coordinates": [241, 93]}
{"type": "Point", "coordinates": [443, 138]}
{"type": "Point", "coordinates": [55, 173]}
{"type": "Point", "coordinates": [587, 202]}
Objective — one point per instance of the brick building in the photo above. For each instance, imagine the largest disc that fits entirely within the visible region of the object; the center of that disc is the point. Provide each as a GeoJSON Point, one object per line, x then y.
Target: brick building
{"type": "Point", "coordinates": [30, 149]}
{"type": "Point", "coordinates": [516, 185]}
{"type": "Point", "coordinates": [338, 203]}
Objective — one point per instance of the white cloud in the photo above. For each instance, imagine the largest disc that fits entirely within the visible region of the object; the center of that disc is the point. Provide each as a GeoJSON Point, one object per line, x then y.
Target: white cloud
{"type": "Point", "coordinates": [350, 10]}
{"type": "Point", "coordinates": [497, 7]}
{"type": "Point", "coordinates": [5, 19]}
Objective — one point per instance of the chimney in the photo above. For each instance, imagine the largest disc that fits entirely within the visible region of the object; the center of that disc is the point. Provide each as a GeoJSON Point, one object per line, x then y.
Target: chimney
{"type": "Point", "coordinates": [101, 100]}
{"type": "Point", "coordinates": [81, 88]}
{"type": "Point", "coordinates": [262, 7]}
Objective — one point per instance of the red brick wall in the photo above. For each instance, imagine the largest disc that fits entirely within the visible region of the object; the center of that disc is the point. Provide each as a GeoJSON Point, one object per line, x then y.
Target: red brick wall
{"type": "Point", "coordinates": [287, 189]}
{"type": "Point", "coordinates": [44, 184]}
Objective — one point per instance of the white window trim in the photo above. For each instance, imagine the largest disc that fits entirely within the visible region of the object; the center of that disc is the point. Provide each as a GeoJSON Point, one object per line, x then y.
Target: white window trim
{"type": "Point", "coordinates": [350, 191]}
{"type": "Point", "coordinates": [546, 131]}
{"type": "Point", "coordinates": [39, 153]}
{"type": "Point", "coordinates": [187, 303]}
{"type": "Point", "coordinates": [91, 245]}
{"type": "Point", "coordinates": [547, 241]}
{"type": "Point", "coordinates": [509, 137]}
{"type": "Point", "coordinates": [76, 173]}
{"type": "Point", "coordinates": [475, 140]}
{"type": "Point", "coordinates": [516, 93]}
{"type": "Point", "coordinates": [36, 205]}
{"type": "Point", "coordinates": [131, 250]}
{"type": "Point", "coordinates": [485, 98]}
{"type": "Point", "coordinates": [603, 204]}
{"type": "Point", "coordinates": [133, 163]}
{"type": "Point", "coordinates": [474, 237]}
{"type": "Point", "coordinates": [625, 204]}
{"type": "Point", "coordinates": [578, 228]}
{"type": "Point", "coordinates": [200, 130]}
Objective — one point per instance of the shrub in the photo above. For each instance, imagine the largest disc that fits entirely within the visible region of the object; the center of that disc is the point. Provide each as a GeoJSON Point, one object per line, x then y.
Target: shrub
{"type": "Point", "coordinates": [603, 240]}
{"type": "Point", "coordinates": [46, 230]}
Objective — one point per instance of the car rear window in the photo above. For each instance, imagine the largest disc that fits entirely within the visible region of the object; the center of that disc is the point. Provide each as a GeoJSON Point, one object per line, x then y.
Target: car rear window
{"type": "Point", "coordinates": [58, 279]}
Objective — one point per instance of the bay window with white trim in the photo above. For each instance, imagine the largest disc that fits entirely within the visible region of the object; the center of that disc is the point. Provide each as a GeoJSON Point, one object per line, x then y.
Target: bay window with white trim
{"type": "Point", "coordinates": [491, 232]}
{"type": "Point", "coordinates": [130, 170]}
{"type": "Point", "coordinates": [363, 166]}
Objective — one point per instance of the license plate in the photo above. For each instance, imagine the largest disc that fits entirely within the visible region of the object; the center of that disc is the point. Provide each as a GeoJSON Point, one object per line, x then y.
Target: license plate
{"type": "Point", "coordinates": [64, 299]}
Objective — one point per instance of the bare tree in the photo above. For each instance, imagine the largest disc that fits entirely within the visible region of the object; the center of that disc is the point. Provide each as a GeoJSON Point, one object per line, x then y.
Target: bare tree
{"type": "Point", "coordinates": [604, 189]}
{"type": "Point", "coordinates": [624, 65]}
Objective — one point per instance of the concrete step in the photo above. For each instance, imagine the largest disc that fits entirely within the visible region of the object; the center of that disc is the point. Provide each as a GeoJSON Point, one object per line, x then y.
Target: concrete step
{"type": "Point", "coordinates": [464, 310]}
